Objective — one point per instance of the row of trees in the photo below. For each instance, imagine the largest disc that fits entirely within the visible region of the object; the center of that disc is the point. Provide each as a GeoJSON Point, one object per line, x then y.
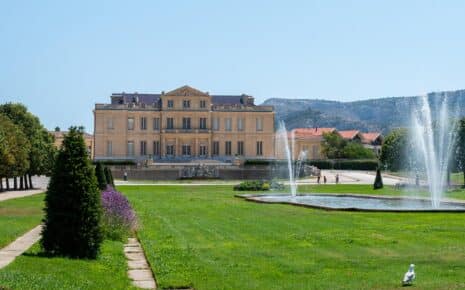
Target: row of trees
{"type": "Point", "coordinates": [398, 150]}
{"type": "Point", "coordinates": [26, 147]}
{"type": "Point", "coordinates": [336, 147]}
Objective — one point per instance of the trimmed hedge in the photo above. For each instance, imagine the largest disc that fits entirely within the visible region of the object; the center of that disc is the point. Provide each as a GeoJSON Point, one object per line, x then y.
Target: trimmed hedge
{"type": "Point", "coordinates": [115, 162]}
{"type": "Point", "coordinates": [254, 185]}
{"type": "Point", "coordinates": [346, 164]}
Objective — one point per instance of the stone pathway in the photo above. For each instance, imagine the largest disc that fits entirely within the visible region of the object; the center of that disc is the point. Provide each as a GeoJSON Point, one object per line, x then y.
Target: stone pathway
{"type": "Point", "coordinates": [139, 271]}
{"type": "Point", "coordinates": [19, 193]}
{"type": "Point", "coordinates": [19, 246]}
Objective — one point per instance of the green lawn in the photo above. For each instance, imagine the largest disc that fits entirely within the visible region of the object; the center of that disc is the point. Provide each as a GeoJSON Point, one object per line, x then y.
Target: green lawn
{"type": "Point", "coordinates": [206, 238]}
{"type": "Point", "coordinates": [32, 271]}
{"type": "Point", "coordinates": [19, 215]}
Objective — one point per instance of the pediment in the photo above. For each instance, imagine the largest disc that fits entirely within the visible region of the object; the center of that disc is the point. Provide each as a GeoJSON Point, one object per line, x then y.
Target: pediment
{"type": "Point", "coordinates": [186, 91]}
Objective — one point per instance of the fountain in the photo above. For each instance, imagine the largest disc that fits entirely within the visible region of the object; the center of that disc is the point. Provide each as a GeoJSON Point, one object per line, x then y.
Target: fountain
{"type": "Point", "coordinates": [282, 135]}
{"type": "Point", "coordinates": [434, 136]}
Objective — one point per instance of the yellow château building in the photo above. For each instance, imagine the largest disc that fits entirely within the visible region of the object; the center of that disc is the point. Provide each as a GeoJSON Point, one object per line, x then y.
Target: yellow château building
{"type": "Point", "coordinates": [183, 124]}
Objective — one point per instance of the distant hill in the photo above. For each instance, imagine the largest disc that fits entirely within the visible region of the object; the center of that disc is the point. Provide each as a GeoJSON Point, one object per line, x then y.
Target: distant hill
{"type": "Point", "coordinates": [381, 114]}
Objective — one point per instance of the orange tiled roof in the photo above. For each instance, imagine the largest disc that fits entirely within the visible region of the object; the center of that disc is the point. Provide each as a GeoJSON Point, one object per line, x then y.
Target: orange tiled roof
{"type": "Point", "coordinates": [349, 134]}
{"type": "Point", "coordinates": [311, 132]}
{"type": "Point", "coordinates": [370, 136]}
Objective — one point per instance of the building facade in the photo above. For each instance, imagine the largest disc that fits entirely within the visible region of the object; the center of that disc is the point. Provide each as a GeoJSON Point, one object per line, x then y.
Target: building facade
{"type": "Point", "coordinates": [183, 124]}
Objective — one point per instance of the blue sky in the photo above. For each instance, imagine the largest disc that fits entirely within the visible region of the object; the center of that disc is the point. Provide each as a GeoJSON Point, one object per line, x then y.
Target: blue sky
{"type": "Point", "coordinates": [61, 57]}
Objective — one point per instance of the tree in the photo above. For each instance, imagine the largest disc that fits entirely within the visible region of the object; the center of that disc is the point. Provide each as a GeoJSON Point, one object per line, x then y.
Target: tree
{"type": "Point", "coordinates": [355, 150]}
{"type": "Point", "coordinates": [73, 210]}
{"type": "Point", "coordinates": [108, 176]}
{"type": "Point", "coordinates": [14, 149]}
{"type": "Point", "coordinates": [394, 148]}
{"type": "Point", "coordinates": [460, 147]}
{"type": "Point", "coordinates": [333, 145]}
{"type": "Point", "coordinates": [100, 174]}
{"type": "Point", "coordinates": [378, 180]}
{"type": "Point", "coordinates": [42, 151]}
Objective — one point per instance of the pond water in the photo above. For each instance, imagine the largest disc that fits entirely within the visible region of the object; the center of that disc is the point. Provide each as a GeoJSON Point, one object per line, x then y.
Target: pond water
{"type": "Point", "coordinates": [351, 202]}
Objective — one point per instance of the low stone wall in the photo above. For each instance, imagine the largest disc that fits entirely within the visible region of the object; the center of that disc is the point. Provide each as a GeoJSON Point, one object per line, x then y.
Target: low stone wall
{"type": "Point", "coordinates": [173, 173]}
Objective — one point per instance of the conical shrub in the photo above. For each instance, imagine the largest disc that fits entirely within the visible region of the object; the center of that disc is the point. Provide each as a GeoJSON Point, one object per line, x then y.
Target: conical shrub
{"type": "Point", "coordinates": [100, 174]}
{"type": "Point", "coordinates": [73, 210]}
{"type": "Point", "coordinates": [378, 180]}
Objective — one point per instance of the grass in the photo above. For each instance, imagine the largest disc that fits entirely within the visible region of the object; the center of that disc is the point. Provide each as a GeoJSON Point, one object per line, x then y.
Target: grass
{"type": "Point", "coordinates": [34, 271]}
{"type": "Point", "coordinates": [19, 215]}
{"type": "Point", "coordinates": [206, 238]}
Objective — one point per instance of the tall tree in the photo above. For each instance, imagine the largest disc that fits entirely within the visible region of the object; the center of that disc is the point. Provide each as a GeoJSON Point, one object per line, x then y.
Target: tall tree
{"type": "Point", "coordinates": [14, 149]}
{"type": "Point", "coordinates": [73, 210]}
{"type": "Point", "coordinates": [42, 150]}
{"type": "Point", "coordinates": [460, 147]}
{"type": "Point", "coordinates": [333, 145]}
{"type": "Point", "coordinates": [394, 148]}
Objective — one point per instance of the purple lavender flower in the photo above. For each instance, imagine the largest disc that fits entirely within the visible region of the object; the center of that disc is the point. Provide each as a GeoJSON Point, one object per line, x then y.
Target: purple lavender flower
{"type": "Point", "coordinates": [119, 219]}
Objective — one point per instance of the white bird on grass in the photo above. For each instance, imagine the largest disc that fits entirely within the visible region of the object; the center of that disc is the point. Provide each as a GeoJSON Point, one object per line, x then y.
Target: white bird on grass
{"type": "Point", "coordinates": [409, 276]}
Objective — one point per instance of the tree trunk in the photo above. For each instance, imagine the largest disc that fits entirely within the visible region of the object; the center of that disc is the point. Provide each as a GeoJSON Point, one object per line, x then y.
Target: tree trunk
{"type": "Point", "coordinates": [26, 185]}
{"type": "Point", "coordinates": [30, 182]}
{"type": "Point", "coordinates": [8, 183]}
{"type": "Point", "coordinates": [15, 183]}
{"type": "Point", "coordinates": [1, 183]}
{"type": "Point", "coordinates": [21, 183]}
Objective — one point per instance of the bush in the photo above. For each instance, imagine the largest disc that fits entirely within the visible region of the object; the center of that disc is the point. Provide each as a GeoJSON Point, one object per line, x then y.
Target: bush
{"type": "Point", "coordinates": [378, 180]}
{"type": "Point", "coordinates": [321, 164]}
{"type": "Point", "coordinates": [356, 164]}
{"type": "Point", "coordinates": [119, 219]}
{"type": "Point", "coordinates": [252, 186]}
{"type": "Point", "coordinates": [100, 174]}
{"type": "Point", "coordinates": [73, 209]}
{"type": "Point", "coordinates": [108, 176]}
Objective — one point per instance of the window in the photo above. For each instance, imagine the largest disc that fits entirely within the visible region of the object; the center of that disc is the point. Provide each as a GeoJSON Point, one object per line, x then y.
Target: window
{"type": "Point", "coordinates": [131, 123]}
{"type": "Point", "coordinates": [259, 124]}
{"type": "Point", "coordinates": [240, 124]}
{"type": "Point", "coordinates": [143, 123]}
{"type": "Point", "coordinates": [240, 148]}
{"type": "Point", "coordinates": [170, 150]}
{"type": "Point", "coordinates": [259, 148]}
{"type": "Point", "coordinates": [203, 104]}
{"type": "Point", "coordinates": [110, 124]}
{"type": "Point", "coordinates": [109, 148]}
{"type": "Point", "coordinates": [216, 148]}
{"type": "Point", "coordinates": [169, 123]}
{"type": "Point", "coordinates": [203, 123]}
{"type": "Point", "coordinates": [156, 148]}
{"type": "Point", "coordinates": [186, 123]}
{"type": "Point", "coordinates": [186, 150]}
{"type": "Point", "coordinates": [203, 150]}
{"type": "Point", "coordinates": [227, 148]}
{"type": "Point", "coordinates": [156, 123]}
{"type": "Point", "coordinates": [227, 124]}
{"type": "Point", "coordinates": [186, 104]}
{"type": "Point", "coordinates": [130, 148]}
{"type": "Point", "coordinates": [143, 148]}
{"type": "Point", "coordinates": [216, 124]}
{"type": "Point", "coordinates": [170, 104]}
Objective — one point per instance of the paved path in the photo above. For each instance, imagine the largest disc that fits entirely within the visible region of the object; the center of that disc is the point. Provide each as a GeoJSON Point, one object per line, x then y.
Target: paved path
{"type": "Point", "coordinates": [139, 271]}
{"type": "Point", "coordinates": [19, 246]}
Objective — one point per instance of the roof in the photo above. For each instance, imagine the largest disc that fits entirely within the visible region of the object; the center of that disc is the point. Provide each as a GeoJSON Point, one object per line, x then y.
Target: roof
{"type": "Point", "coordinates": [311, 132]}
{"type": "Point", "coordinates": [349, 134]}
{"type": "Point", "coordinates": [150, 99]}
{"type": "Point", "coordinates": [370, 137]}
{"type": "Point", "coordinates": [186, 91]}
{"type": "Point", "coordinates": [61, 134]}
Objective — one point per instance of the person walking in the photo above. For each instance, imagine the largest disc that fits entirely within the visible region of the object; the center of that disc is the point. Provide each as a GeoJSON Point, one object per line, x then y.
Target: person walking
{"type": "Point", "coordinates": [337, 178]}
{"type": "Point", "coordinates": [125, 176]}
{"type": "Point", "coordinates": [324, 179]}
{"type": "Point", "coordinates": [318, 178]}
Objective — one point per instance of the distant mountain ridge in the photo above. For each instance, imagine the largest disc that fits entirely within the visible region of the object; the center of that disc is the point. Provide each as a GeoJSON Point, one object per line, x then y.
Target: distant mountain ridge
{"type": "Point", "coordinates": [381, 114]}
